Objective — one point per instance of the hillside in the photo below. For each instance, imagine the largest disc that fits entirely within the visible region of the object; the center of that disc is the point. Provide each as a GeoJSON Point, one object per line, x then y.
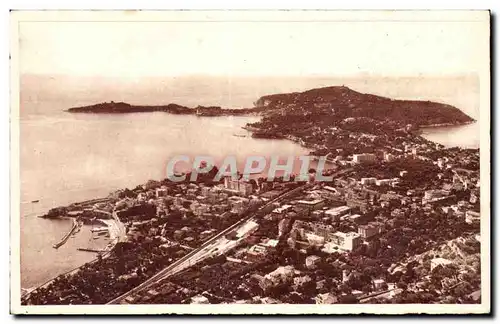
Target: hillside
{"type": "Point", "coordinates": [336, 103]}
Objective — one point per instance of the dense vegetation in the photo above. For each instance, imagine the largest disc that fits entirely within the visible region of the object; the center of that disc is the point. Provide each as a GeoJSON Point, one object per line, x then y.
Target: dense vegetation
{"type": "Point", "coordinates": [341, 102]}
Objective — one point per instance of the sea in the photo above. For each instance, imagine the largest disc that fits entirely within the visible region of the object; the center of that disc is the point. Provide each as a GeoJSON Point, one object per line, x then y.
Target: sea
{"type": "Point", "coordinates": [67, 158]}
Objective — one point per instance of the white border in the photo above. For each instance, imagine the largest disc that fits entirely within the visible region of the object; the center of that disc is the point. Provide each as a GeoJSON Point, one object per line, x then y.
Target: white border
{"type": "Point", "coordinates": [248, 309]}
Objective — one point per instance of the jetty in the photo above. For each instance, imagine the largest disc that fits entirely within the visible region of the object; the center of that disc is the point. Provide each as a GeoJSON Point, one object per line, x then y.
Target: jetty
{"type": "Point", "coordinates": [92, 250]}
{"type": "Point", "coordinates": [117, 233]}
{"type": "Point", "coordinates": [90, 202]}
{"type": "Point", "coordinates": [76, 225]}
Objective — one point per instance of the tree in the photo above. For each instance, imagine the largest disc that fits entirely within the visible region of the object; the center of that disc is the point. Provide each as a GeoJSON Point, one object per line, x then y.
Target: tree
{"type": "Point", "coordinates": [403, 285]}
{"type": "Point", "coordinates": [348, 299]}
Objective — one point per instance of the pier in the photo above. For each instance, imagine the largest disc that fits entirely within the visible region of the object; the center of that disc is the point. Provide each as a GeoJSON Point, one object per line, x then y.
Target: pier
{"type": "Point", "coordinates": [92, 250]}
{"type": "Point", "coordinates": [74, 227]}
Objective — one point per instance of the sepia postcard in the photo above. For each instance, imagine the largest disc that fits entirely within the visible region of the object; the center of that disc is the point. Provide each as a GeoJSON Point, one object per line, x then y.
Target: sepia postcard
{"type": "Point", "coordinates": [250, 162]}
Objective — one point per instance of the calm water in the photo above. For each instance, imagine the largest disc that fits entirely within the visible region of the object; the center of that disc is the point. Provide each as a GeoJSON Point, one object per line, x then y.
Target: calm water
{"type": "Point", "coordinates": [72, 157]}
{"type": "Point", "coordinates": [466, 136]}
{"type": "Point", "coordinates": [78, 157]}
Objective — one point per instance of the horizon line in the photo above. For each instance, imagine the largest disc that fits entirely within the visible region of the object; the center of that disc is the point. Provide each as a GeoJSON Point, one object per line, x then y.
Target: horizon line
{"type": "Point", "coordinates": [308, 76]}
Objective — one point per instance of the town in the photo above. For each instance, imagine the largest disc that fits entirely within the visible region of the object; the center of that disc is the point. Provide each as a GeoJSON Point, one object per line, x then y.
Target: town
{"type": "Point", "coordinates": [396, 224]}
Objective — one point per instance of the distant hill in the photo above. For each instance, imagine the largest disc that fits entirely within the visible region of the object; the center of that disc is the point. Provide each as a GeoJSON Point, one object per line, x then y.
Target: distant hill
{"type": "Point", "coordinates": [124, 108]}
{"type": "Point", "coordinates": [340, 102]}
{"type": "Point", "coordinates": [322, 104]}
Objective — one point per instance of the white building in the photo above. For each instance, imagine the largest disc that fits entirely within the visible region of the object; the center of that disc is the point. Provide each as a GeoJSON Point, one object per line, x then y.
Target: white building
{"type": "Point", "coordinates": [343, 241]}
{"type": "Point", "coordinates": [364, 158]}
{"type": "Point", "coordinates": [351, 218]}
{"type": "Point", "coordinates": [281, 275]}
{"type": "Point", "coordinates": [311, 204]}
{"type": "Point", "coordinates": [326, 298]}
{"type": "Point", "coordinates": [368, 181]}
{"type": "Point", "coordinates": [282, 209]}
{"type": "Point", "coordinates": [335, 213]}
{"type": "Point", "coordinates": [368, 230]}
{"type": "Point", "coordinates": [435, 193]}
{"type": "Point", "coordinates": [378, 283]}
{"type": "Point", "coordinates": [161, 192]}
{"type": "Point", "coordinates": [242, 186]}
{"type": "Point", "coordinates": [386, 182]}
{"type": "Point", "coordinates": [472, 217]}
{"type": "Point", "coordinates": [312, 261]}
{"type": "Point", "coordinates": [315, 239]}
{"type": "Point", "coordinates": [199, 299]}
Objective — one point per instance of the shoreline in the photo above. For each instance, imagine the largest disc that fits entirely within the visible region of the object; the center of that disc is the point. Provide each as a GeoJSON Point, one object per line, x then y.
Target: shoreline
{"type": "Point", "coordinates": [300, 142]}
{"type": "Point", "coordinates": [247, 128]}
{"type": "Point", "coordinates": [115, 241]}
{"type": "Point", "coordinates": [446, 125]}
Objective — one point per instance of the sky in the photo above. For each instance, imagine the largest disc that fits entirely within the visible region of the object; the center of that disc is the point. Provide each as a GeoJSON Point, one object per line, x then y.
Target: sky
{"type": "Point", "coordinates": [279, 48]}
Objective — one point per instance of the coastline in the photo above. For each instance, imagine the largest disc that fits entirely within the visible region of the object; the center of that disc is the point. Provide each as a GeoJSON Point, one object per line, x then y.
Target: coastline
{"type": "Point", "coordinates": [446, 125]}
{"type": "Point", "coordinates": [246, 127]}
{"type": "Point", "coordinates": [299, 141]}
{"type": "Point", "coordinates": [114, 225]}
{"type": "Point", "coordinates": [113, 229]}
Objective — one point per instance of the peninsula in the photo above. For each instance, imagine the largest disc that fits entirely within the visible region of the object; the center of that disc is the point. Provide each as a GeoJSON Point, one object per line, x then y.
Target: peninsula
{"type": "Point", "coordinates": [399, 221]}
{"type": "Point", "coordinates": [327, 105]}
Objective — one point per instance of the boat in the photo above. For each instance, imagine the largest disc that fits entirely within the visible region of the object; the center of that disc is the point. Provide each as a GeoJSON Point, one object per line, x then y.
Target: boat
{"type": "Point", "coordinates": [35, 201]}
{"type": "Point", "coordinates": [99, 229]}
{"type": "Point", "coordinates": [238, 135]}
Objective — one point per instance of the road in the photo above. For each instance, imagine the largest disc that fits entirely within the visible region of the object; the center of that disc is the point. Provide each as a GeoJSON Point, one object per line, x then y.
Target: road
{"type": "Point", "coordinates": [204, 251]}
{"type": "Point", "coordinates": [121, 233]}
{"type": "Point", "coordinates": [207, 248]}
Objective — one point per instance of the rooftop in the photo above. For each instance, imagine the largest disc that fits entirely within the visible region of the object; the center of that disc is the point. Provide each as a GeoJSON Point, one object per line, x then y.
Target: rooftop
{"type": "Point", "coordinates": [347, 235]}
{"type": "Point", "coordinates": [310, 202]}
{"type": "Point", "coordinates": [337, 210]}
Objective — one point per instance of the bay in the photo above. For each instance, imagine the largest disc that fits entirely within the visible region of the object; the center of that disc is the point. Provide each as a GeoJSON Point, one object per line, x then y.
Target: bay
{"type": "Point", "coordinates": [73, 157]}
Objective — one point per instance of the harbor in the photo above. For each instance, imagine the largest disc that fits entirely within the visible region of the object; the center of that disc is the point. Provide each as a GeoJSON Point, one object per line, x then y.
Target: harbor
{"type": "Point", "coordinates": [75, 227]}
{"type": "Point", "coordinates": [112, 230]}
